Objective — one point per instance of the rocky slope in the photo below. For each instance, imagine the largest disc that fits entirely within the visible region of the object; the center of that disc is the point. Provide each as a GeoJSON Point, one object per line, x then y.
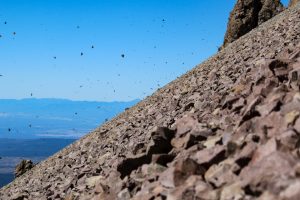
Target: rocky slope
{"type": "Point", "coordinates": [293, 2]}
{"type": "Point", "coordinates": [247, 15]}
{"type": "Point", "coordinates": [228, 129]}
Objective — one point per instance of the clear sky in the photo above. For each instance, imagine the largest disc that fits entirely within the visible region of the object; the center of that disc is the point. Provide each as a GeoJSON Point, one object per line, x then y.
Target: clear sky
{"type": "Point", "coordinates": [73, 48]}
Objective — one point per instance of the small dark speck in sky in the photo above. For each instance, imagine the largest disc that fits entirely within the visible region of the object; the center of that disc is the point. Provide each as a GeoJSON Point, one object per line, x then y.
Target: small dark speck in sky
{"type": "Point", "coordinates": [92, 46]}
{"type": "Point", "coordinates": [9, 129]}
{"type": "Point", "coordinates": [123, 56]}
{"type": "Point", "coordinates": [54, 57]}
{"type": "Point", "coordinates": [81, 54]}
{"type": "Point", "coordinates": [31, 94]}
{"type": "Point", "coordinates": [14, 33]}
{"type": "Point", "coordinates": [5, 22]}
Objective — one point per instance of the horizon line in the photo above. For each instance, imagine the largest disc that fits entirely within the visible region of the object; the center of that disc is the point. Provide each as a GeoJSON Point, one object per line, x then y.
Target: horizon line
{"type": "Point", "coordinates": [72, 100]}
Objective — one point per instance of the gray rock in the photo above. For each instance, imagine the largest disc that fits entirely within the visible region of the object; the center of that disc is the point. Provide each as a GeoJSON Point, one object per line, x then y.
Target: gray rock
{"type": "Point", "coordinates": [23, 167]}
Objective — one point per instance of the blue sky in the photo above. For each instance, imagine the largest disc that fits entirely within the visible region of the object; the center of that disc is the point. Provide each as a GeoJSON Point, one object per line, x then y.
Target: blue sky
{"type": "Point", "coordinates": [160, 40]}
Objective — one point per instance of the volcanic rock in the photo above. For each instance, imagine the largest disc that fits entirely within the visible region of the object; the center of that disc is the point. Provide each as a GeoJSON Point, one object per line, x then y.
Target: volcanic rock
{"type": "Point", "coordinates": [247, 15]}
{"type": "Point", "coordinates": [293, 3]}
{"type": "Point", "coordinates": [23, 167]}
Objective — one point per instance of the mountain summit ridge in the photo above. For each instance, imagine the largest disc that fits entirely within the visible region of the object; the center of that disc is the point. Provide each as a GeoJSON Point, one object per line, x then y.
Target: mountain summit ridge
{"type": "Point", "coordinates": [227, 129]}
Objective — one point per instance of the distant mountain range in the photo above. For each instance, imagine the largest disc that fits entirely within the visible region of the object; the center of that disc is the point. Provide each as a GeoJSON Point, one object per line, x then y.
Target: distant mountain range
{"type": "Point", "coordinates": [54, 118]}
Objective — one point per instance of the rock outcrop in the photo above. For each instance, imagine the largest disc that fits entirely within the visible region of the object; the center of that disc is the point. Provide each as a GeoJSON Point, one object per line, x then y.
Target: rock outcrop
{"type": "Point", "coordinates": [23, 167]}
{"type": "Point", "coordinates": [228, 129]}
{"type": "Point", "coordinates": [247, 15]}
{"type": "Point", "coordinates": [293, 3]}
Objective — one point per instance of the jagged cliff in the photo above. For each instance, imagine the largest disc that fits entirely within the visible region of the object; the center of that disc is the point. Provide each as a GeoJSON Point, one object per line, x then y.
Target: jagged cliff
{"type": "Point", "coordinates": [293, 2]}
{"type": "Point", "coordinates": [247, 15]}
{"type": "Point", "coordinates": [228, 129]}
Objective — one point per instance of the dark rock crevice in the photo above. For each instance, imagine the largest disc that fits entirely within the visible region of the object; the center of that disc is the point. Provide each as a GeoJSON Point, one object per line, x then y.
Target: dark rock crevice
{"type": "Point", "coordinates": [160, 144]}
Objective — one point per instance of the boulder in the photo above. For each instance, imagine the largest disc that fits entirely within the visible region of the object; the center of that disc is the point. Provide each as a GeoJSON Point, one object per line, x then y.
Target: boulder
{"type": "Point", "coordinates": [23, 167]}
{"type": "Point", "coordinates": [293, 3]}
{"type": "Point", "coordinates": [247, 15]}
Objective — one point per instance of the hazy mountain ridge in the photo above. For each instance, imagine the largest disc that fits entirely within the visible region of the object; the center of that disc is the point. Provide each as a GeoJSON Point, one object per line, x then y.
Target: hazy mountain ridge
{"type": "Point", "coordinates": [34, 118]}
{"type": "Point", "coordinates": [34, 129]}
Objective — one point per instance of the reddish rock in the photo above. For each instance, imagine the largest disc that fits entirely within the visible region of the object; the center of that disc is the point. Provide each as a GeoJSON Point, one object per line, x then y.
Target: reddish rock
{"type": "Point", "coordinates": [178, 174]}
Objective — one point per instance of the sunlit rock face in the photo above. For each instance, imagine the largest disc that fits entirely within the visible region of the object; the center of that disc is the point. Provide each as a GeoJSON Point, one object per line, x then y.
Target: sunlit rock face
{"type": "Point", "coordinates": [293, 3]}
{"type": "Point", "coordinates": [248, 14]}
